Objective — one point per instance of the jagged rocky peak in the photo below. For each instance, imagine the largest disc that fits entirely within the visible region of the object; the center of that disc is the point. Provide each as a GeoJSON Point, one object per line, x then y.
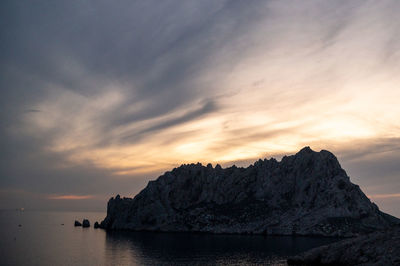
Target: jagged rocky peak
{"type": "Point", "coordinates": [307, 193]}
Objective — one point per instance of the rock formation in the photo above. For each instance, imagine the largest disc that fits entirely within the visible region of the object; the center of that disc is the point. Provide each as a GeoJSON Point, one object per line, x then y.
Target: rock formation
{"type": "Point", "coordinates": [77, 223]}
{"type": "Point", "coordinates": [304, 194]}
{"type": "Point", "coordinates": [85, 223]}
{"type": "Point", "coordinates": [378, 248]}
{"type": "Point", "coordinates": [96, 225]}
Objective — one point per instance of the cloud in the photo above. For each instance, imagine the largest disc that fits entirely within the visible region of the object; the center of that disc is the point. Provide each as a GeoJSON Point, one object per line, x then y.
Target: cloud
{"type": "Point", "coordinates": [208, 107]}
{"type": "Point", "coordinates": [70, 197]}
{"type": "Point", "coordinates": [384, 196]}
{"type": "Point", "coordinates": [99, 97]}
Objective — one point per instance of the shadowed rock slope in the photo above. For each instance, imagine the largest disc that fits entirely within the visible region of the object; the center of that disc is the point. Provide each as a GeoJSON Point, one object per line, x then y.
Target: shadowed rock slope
{"type": "Point", "coordinates": [378, 248]}
{"type": "Point", "coordinates": [305, 194]}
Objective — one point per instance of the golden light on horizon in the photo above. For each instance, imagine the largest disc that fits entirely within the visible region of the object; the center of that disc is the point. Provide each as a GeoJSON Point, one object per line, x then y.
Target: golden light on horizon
{"type": "Point", "coordinates": [384, 196]}
{"type": "Point", "coordinates": [239, 131]}
{"type": "Point", "coordinates": [95, 105]}
{"type": "Point", "coordinates": [70, 197]}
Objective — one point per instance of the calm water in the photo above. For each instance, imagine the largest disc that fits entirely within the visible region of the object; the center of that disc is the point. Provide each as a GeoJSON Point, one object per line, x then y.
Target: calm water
{"type": "Point", "coordinates": [42, 240]}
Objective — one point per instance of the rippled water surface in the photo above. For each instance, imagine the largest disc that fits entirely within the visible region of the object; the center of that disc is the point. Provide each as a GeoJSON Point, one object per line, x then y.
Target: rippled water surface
{"type": "Point", "coordinates": [43, 240]}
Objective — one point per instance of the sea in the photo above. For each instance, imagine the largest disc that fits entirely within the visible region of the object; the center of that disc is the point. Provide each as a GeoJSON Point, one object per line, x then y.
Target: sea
{"type": "Point", "coordinates": [50, 238]}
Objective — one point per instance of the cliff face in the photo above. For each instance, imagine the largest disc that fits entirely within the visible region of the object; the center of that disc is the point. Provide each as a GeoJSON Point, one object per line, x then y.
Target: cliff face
{"type": "Point", "coordinates": [306, 194]}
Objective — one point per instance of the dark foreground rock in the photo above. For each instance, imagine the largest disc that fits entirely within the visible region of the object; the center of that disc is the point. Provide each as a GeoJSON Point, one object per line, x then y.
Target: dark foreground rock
{"type": "Point", "coordinates": [77, 223]}
{"type": "Point", "coordinates": [96, 225]}
{"type": "Point", "coordinates": [304, 194]}
{"type": "Point", "coordinates": [85, 223]}
{"type": "Point", "coordinates": [379, 248]}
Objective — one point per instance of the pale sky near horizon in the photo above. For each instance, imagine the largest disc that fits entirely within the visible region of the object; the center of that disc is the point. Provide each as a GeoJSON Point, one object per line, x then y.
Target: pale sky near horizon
{"type": "Point", "coordinates": [99, 97]}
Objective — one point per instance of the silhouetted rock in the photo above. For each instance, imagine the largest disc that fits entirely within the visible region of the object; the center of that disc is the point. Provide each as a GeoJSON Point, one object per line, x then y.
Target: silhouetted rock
{"type": "Point", "coordinates": [85, 223]}
{"type": "Point", "coordinates": [77, 223]}
{"type": "Point", "coordinates": [378, 248]}
{"type": "Point", "coordinates": [303, 194]}
{"type": "Point", "coordinates": [96, 225]}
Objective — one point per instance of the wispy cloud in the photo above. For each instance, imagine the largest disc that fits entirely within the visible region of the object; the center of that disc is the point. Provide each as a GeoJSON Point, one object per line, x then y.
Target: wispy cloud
{"type": "Point", "coordinates": [118, 93]}
{"type": "Point", "coordinates": [31, 111]}
{"type": "Point", "coordinates": [384, 196]}
{"type": "Point", "coordinates": [70, 197]}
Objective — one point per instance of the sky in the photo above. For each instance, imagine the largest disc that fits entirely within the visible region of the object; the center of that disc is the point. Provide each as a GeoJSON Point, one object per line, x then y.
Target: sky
{"type": "Point", "coordinates": [99, 97]}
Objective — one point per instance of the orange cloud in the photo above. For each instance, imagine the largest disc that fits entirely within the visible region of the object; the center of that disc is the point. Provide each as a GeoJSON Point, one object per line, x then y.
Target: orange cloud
{"type": "Point", "coordinates": [70, 197]}
{"type": "Point", "coordinates": [384, 196]}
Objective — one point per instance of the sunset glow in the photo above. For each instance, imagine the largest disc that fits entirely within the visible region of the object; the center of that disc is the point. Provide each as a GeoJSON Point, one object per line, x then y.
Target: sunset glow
{"type": "Point", "coordinates": [384, 196]}
{"type": "Point", "coordinates": [70, 197]}
{"type": "Point", "coordinates": [93, 107]}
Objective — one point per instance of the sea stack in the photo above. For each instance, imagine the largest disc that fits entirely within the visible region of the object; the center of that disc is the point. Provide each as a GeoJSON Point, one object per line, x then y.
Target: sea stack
{"type": "Point", "coordinates": [303, 194]}
{"type": "Point", "coordinates": [85, 223]}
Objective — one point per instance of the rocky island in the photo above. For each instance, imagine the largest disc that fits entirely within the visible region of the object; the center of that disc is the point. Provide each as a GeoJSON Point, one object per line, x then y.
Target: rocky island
{"type": "Point", "coordinates": [303, 194]}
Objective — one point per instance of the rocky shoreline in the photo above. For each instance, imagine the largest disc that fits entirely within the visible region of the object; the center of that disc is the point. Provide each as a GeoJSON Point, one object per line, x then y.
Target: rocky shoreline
{"type": "Point", "coordinates": [378, 248]}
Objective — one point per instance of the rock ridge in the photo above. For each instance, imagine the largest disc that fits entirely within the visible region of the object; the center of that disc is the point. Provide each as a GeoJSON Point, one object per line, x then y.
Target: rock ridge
{"type": "Point", "coordinates": [303, 194]}
{"type": "Point", "coordinates": [377, 248]}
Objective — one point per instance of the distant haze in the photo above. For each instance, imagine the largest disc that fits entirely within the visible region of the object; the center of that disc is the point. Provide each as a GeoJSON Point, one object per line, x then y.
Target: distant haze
{"type": "Point", "coordinates": [99, 97]}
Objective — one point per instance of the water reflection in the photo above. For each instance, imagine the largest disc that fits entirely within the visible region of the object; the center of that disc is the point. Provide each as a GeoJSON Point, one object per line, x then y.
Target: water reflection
{"type": "Point", "coordinates": [42, 240]}
{"type": "Point", "coordinates": [167, 248]}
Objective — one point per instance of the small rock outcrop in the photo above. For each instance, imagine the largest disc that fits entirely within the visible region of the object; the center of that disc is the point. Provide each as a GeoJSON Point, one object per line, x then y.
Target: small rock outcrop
{"type": "Point", "coordinates": [77, 223]}
{"type": "Point", "coordinates": [85, 223]}
{"type": "Point", "coordinates": [96, 225]}
{"type": "Point", "coordinates": [304, 194]}
{"type": "Point", "coordinates": [378, 248]}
